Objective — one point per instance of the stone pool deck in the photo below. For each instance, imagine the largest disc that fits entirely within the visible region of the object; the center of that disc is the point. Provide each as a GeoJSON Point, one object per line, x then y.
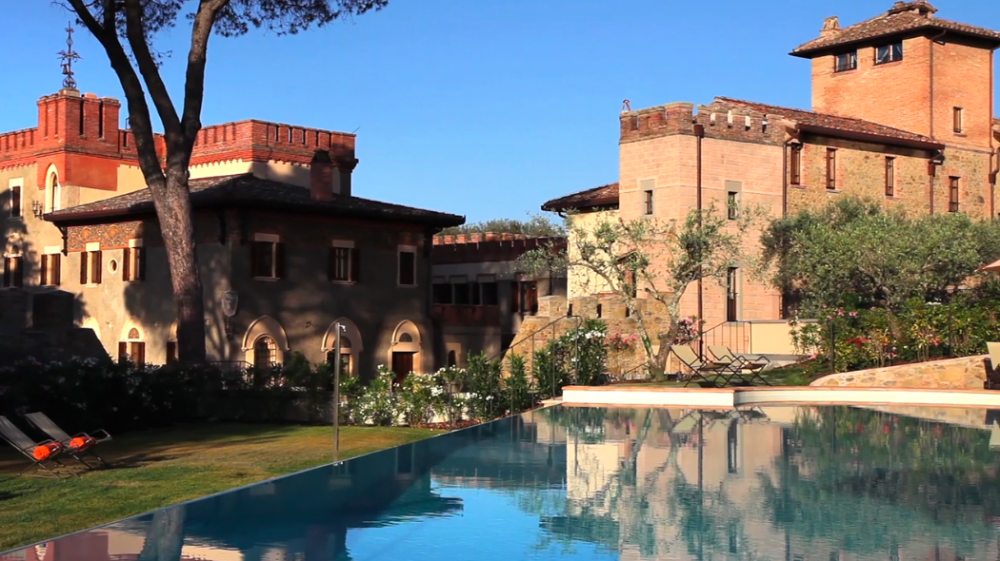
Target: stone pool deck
{"type": "Point", "coordinates": [798, 395]}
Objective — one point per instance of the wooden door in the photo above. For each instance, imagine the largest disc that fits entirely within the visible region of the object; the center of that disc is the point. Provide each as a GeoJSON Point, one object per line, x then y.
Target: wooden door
{"type": "Point", "coordinates": [402, 364]}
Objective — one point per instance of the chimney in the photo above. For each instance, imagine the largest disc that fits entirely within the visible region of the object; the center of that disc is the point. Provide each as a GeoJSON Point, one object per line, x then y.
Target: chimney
{"type": "Point", "coordinates": [321, 176]}
{"type": "Point", "coordinates": [345, 168]}
{"type": "Point", "coordinates": [831, 26]}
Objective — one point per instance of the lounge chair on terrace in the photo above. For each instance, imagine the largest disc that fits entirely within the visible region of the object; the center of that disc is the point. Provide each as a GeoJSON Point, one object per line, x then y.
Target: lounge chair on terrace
{"type": "Point", "coordinates": [80, 445]}
{"type": "Point", "coordinates": [41, 453]}
{"type": "Point", "coordinates": [702, 369]}
{"type": "Point", "coordinates": [751, 369]}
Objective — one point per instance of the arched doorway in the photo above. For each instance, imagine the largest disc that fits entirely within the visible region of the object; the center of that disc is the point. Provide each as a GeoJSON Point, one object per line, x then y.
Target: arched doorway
{"type": "Point", "coordinates": [265, 352]}
{"type": "Point", "coordinates": [405, 352]}
{"type": "Point", "coordinates": [350, 346]}
{"type": "Point", "coordinates": [265, 343]}
{"type": "Point", "coordinates": [132, 347]}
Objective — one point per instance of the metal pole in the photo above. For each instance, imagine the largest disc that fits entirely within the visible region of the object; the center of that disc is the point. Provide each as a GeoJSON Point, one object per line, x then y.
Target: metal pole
{"type": "Point", "coordinates": [336, 393]}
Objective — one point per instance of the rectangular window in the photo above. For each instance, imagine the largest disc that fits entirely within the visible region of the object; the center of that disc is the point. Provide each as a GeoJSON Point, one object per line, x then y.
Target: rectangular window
{"type": "Point", "coordinates": [476, 294]}
{"type": "Point", "coordinates": [732, 205]}
{"type": "Point", "coordinates": [795, 165]}
{"type": "Point", "coordinates": [731, 294]}
{"type": "Point", "coordinates": [831, 168]}
{"type": "Point", "coordinates": [267, 259]}
{"type": "Point", "coordinates": [13, 271]}
{"type": "Point", "coordinates": [846, 61]}
{"type": "Point", "coordinates": [90, 267]}
{"type": "Point", "coordinates": [491, 294]}
{"type": "Point", "coordinates": [133, 351]}
{"type": "Point", "coordinates": [343, 265]}
{"type": "Point", "coordinates": [51, 265]}
{"type": "Point", "coordinates": [952, 194]}
{"type": "Point", "coordinates": [889, 53]}
{"type": "Point", "coordinates": [890, 176]}
{"type": "Point", "coordinates": [15, 201]}
{"type": "Point", "coordinates": [134, 264]}
{"type": "Point", "coordinates": [462, 292]}
{"type": "Point", "coordinates": [648, 202]}
{"type": "Point", "coordinates": [441, 293]}
{"type": "Point", "coordinates": [407, 267]}
{"type": "Point", "coordinates": [956, 117]}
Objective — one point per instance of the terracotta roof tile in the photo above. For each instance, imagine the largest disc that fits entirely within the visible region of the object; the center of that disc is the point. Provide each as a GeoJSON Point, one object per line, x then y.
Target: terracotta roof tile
{"type": "Point", "coordinates": [249, 191]}
{"type": "Point", "coordinates": [836, 122]}
{"type": "Point", "coordinates": [605, 195]}
{"type": "Point", "coordinates": [903, 17]}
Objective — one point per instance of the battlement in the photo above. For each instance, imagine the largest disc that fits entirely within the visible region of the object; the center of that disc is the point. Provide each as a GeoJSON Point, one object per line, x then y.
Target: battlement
{"type": "Point", "coordinates": [488, 247]}
{"type": "Point", "coordinates": [718, 120]}
{"type": "Point", "coordinates": [89, 124]}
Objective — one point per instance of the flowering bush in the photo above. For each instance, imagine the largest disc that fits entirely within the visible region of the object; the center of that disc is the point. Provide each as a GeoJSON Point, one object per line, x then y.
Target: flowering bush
{"type": "Point", "coordinates": [874, 337]}
{"type": "Point", "coordinates": [588, 353]}
{"type": "Point", "coordinates": [687, 331]}
{"type": "Point", "coordinates": [419, 395]}
{"type": "Point", "coordinates": [379, 404]}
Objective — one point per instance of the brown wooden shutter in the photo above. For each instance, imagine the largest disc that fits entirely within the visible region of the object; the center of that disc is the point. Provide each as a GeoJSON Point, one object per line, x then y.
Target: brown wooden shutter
{"type": "Point", "coordinates": [140, 353]}
{"type": "Point", "coordinates": [98, 268]}
{"type": "Point", "coordinates": [254, 259]}
{"type": "Point", "coordinates": [126, 264]}
{"type": "Point", "coordinates": [56, 265]}
{"type": "Point", "coordinates": [122, 350]}
{"type": "Point", "coordinates": [140, 263]}
{"type": "Point", "coordinates": [355, 264]}
{"type": "Point", "coordinates": [19, 271]}
{"type": "Point", "coordinates": [171, 352]}
{"type": "Point", "coordinates": [46, 259]}
{"type": "Point", "coordinates": [331, 264]}
{"type": "Point", "coordinates": [279, 260]}
{"type": "Point", "coordinates": [15, 201]}
{"type": "Point", "coordinates": [84, 257]}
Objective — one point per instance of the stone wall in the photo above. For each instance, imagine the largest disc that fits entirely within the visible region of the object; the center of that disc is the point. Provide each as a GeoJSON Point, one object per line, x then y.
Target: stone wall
{"type": "Point", "coordinates": [968, 373]}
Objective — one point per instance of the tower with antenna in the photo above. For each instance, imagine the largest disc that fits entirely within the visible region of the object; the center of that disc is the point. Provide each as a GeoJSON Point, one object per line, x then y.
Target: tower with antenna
{"type": "Point", "coordinates": [67, 56]}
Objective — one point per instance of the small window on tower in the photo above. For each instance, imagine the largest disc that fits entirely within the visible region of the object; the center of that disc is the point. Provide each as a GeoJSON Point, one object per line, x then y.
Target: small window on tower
{"type": "Point", "coordinates": [889, 53]}
{"type": "Point", "coordinates": [846, 61]}
{"type": "Point", "coordinates": [956, 115]}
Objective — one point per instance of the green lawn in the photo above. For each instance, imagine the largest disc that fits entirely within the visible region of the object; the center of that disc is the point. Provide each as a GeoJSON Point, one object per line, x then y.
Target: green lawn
{"type": "Point", "coordinates": [158, 468]}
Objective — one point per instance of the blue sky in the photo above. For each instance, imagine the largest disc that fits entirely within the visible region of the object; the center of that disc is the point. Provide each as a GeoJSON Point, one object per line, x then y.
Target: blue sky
{"type": "Point", "coordinates": [484, 108]}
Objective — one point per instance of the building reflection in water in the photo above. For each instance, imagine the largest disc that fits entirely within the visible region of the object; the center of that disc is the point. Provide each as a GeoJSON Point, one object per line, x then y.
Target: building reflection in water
{"type": "Point", "coordinates": [633, 484]}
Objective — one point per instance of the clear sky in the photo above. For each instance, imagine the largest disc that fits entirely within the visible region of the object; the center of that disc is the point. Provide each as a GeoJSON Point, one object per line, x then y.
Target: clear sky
{"type": "Point", "coordinates": [485, 108]}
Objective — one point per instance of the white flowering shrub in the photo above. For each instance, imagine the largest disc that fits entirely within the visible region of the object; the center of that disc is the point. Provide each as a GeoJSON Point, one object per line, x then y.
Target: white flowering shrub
{"type": "Point", "coordinates": [379, 404]}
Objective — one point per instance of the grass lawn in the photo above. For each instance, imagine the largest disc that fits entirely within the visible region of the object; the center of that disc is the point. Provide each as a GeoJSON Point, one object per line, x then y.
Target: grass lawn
{"type": "Point", "coordinates": [158, 468]}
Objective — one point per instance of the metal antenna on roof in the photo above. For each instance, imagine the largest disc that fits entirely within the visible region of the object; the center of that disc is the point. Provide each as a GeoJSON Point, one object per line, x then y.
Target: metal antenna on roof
{"type": "Point", "coordinates": [67, 57]}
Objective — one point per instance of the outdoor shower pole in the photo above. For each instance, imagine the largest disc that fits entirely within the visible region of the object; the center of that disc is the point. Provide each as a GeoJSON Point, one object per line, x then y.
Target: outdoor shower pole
{"type": "Point", "coordinates": [336, 392]}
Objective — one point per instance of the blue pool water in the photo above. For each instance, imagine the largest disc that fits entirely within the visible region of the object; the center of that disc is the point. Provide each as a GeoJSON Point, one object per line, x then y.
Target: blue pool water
{"type": "Point", "coordinates": [792, 483]}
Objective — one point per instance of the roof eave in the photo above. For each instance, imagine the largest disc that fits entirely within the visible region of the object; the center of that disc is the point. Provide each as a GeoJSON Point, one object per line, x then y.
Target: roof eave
{"type": "Point", "coordinates": [555, 206]}
{"type": "Point", "coordinates": [828, 49]}
{"type": "Point", "coordinates": [80, 218]}
{"type": "Point", "coordinates": [871, 137]}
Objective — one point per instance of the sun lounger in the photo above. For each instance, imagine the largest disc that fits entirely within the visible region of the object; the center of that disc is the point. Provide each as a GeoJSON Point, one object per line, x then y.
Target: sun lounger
{"type": "Point", "coordinates": [701, 369]}
{"type": "Point", "coordinates": [76, 446]}
{"type": "Point", "coordinates": [992, 365]}
{"type": "Point", "coordinates": [751, 368]}
{"type": "Point", "coordinates": [41, 454]}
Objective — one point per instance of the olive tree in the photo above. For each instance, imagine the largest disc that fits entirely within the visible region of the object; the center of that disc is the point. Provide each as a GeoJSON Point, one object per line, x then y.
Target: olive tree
{"type": "Point", "coordinates": [126, 29]}
{"type": "Point", "coordinates": [652, 259]}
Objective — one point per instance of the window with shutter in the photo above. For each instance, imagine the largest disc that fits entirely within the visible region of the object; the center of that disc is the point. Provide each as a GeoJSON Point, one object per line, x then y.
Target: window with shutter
{"type": "Point", "coordinates": [122, 351]}
{"type": "Point", "coordinates": [340, 264]}
{"type": "Point", "coordinates": [84, 259]}
{"type": "Point", "coordinates": [6, 272]}
{"type": "Point", "coordinates": [407, 267]}
{"type": "Point", "coordinates": [267, 260]}
{"type": "Point", "coordinates": [140, 263]}
{"type": "Point", "coordinates": [15, 201]}
{"type": "Point", "coordinates": [127, 264]}
{"type": "Point", "coordinates": [97, 271]}
{"type": "Point", "coordinates": [50, 269]}
{"type": "Point", "coordinates": [355, 264]}
{"type": "Point", "coordinates": [279, 260]}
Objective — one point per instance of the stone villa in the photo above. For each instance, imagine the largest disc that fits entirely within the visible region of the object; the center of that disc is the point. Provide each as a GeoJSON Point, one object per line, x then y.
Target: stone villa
{"type": "Point", "coordinates": [902, 111]}
{"type": "Point", "coordinates": [285, 247]}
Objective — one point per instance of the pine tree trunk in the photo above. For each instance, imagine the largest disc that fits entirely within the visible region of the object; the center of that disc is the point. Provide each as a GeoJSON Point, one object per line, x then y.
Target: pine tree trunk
{"type": "Point", "coordinates": [177, 230]}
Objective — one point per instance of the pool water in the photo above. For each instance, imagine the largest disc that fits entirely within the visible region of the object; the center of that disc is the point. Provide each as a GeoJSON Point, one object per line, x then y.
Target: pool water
{"type": "Point", "coordinates": [792, 483]}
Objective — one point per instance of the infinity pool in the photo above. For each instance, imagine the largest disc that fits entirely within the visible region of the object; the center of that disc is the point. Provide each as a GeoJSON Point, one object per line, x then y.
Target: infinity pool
{"type": "Point", "coordinates": [792, 483]}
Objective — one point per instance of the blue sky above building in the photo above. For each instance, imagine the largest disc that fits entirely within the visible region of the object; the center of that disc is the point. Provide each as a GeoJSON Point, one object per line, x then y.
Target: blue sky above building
{"type": "Point", "coordinates": [485, 108]}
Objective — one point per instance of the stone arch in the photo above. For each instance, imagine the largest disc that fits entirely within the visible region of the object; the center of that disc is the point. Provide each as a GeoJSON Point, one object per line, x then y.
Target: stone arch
{"type": "Point", "coordinates": [261, 328]}
{"type": "Point", "coordinates": [405, 351]}
{"type": "Point", "coordinates": [53, 189]}
{"type": "Point", "coordinates": [93, 325]}
{"type": "Point", "coordinates": [350, 341]}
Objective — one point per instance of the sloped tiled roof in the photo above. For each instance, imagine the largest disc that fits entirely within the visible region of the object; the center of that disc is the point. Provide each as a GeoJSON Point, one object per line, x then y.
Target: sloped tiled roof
{"type": "Point", "coordinates": [903, 17]}
{"type": "Point", "coordinates": [249, 191]}
{"type": "Point", "coordinates": [605, 195]}
{"type": "Point", "coordinates": [824, 120]}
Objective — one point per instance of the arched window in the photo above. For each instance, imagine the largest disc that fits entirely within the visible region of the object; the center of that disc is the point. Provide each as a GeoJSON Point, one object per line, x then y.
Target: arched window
{"type": "Point", "coordinates": [405, 338]}
{"type": "Point", "coordinates": [346, 357]}
{"type": "Point", "coordinates": [53, 191]}
{"type": "Point", "coordinates": [265, 352]}
{"type": "Point", "coordinates": [132, 348]}
{"type": "Point", "coordinates": [351, 345]}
